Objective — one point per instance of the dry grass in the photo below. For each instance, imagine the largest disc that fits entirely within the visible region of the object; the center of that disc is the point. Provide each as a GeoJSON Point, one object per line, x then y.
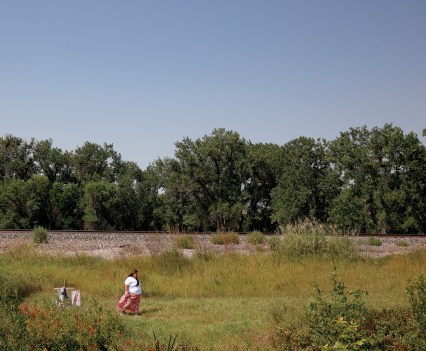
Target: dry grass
{"type": "Point", "coordinates": [215, 302]}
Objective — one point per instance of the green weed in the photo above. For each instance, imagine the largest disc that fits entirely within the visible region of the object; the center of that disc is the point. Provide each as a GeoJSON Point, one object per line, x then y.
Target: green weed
{"type": "Point", "coordinates": [40, 235]}
{"type": "Point", "coordinates": [225, 238]}
{"type": "Point", "coordinates": [185, 242]}
{"type": "Point", "coordinates": [373, 241]}
{"type": "Point", "coordinates": [256, 238]}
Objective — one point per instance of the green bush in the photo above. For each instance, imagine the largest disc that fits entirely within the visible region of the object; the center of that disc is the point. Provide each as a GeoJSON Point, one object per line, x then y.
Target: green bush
{"type": "Point", "coordinates": [89, 327]}
{"type": "Point", "coordinates": [307, 226]}
{"type": "Point", "coordinates": [171, 262]}
{"type": "Point", "coordinates": [185, 242]}
{"type": "Point", "coordinates": [256, 238]}
{"type": "Point", "coordinates": [225, 238]}
{"type": "Point", "coordinates": [13, 290]}
{"type": "Point", "coordinates": [289, 334]}
{"type": "Point", "coordinates": [402, 243]}
{"type": "Point", "coordinates": [416, 291]}
{"type": "Point", "coordinates": [373, 241]}
{"type": "Point", "coordinates": [205, 255]}
{"type": "Point", "coordinates": [40, 235]}
{"type": "Point", "coordinates": [305, 245]}
{"type": "Point", "coordinates": [332, 321]}
{"type": "Point", "coordinates": [274, 242]}
{"type": "Point", "coordinates": [390, 329]}
{"type": "Point", "coordinates": [337, 320]}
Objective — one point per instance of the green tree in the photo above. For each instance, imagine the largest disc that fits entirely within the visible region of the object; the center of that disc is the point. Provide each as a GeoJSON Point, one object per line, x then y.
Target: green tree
{"type": "Point", "coordinates": [65, 210]}
{"type": "Point", "coordinates": [264, 167]}
{"type": "Point", "coordinates": [16, 158]}
{"type": "Point", "coordinates": [93, 162]}
{"type": "Point", "coordinates": [23, 203]}
{"type": "Point", "coordinates": [213, 169]}
{"type": "Point", "coordinates": [52, 162]}
{"type": "Point", "coordinates": [308, 183]}
{"type": "Point", "coordinates": [384, 180]}
{"type": "Point", "coordinates": [99, 204]}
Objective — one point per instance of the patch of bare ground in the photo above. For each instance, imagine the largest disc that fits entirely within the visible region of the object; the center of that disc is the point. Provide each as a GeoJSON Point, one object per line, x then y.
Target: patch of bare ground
{"type": "Point", "coordinates": [121, 244]}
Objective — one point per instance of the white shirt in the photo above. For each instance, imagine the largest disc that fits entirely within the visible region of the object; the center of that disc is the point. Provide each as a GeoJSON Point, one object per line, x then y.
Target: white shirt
{"type": "Point", "coordinates": [133, 287]}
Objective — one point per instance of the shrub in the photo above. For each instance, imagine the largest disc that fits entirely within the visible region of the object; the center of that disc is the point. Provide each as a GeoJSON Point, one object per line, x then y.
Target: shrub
{"type": "Point", "coordinates": [159, 346]}
{"type": "Point", "coordinates": [40, 235]}
{"type": "Point", "coordinates": [402, 243]}
{"type": "Point", "coordinates": [225, 238]}
{"type": "Point", "coordinates": [389, 327]}
{"type": "Point", "coordinates": [416, 291]}
{"type": "Point", "coordinates": [89, 327]}
{"type": "Point", "coordinates": [337, 321]}
{"type": "Point", "coordinates": [299, 246]}
{"type": "Point", "coordinates": [171, 262]}
{"type": "Point", "coordinates": [13, 289]}
{"type": "Point", "coordinates": [256, 238]}
{"type": "Point", "coordinates": [274, 242]}
{"type": "Point", "coordinates": [185, 242]}
{"type": "Point", "coordinates": [290, 333]}
{"type": "Point", "coordinates": [307, 226]}
{"type": "Point", "coordinates": [373, 241]}
{"type": "Point", "coordinates": [332, 321]}
{"type": "Point", "coordinates": [205, 255]}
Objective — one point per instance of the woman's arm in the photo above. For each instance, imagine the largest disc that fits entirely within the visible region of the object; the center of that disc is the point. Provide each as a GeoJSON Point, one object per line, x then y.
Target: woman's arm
{"type": "Point", "coordinates": [126, 289]}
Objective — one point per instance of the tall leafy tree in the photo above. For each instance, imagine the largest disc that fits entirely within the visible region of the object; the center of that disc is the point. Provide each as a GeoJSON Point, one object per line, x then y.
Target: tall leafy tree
{"type": "Point", "coordinates": [264, 166]}
{"type": "Point", "coordinates": [99, 204]}
{"type": "Point", "coordinates": [52, 162]}
{"type": "Point", "coordinates": [214, 169]}
{"type": "Point", "coordinates": [66, 212]}
{"type": "Point", "coordinates": [16, 158]}
{"type": "Point", "coordinates": [23, 203]}
{"type": "Point", "coordinates": [93, 162]}
{"type": "Point", "coordinates": [384, 176]}
{"type": "Point", "coordinates": [307, 184]}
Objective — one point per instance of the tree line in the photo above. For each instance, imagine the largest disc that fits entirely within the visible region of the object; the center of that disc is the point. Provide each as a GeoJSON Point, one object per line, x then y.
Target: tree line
{"type": "Point", "coordinates": [364, 181]}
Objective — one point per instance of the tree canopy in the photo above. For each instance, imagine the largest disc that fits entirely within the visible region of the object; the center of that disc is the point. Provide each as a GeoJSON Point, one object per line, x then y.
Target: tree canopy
{"type": "Point", "coordinates": [364, 181]}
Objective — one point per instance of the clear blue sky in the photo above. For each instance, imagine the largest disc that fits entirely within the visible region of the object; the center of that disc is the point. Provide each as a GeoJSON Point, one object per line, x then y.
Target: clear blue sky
{"type": "Point", "coordinates": [145, 74]}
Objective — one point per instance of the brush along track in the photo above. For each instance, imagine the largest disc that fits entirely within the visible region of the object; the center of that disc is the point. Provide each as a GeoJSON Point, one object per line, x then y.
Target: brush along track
{"type": "Point", "coordinates": [119, 244]}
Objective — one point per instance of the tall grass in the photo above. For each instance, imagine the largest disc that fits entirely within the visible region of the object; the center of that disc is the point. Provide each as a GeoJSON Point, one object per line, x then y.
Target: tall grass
{"type": "Point", "coordinates": [217, 302]}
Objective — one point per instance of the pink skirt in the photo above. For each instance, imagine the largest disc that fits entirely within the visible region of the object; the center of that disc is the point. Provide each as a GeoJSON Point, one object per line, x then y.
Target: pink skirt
{"type": "Point", "coordinates": [129, 303]}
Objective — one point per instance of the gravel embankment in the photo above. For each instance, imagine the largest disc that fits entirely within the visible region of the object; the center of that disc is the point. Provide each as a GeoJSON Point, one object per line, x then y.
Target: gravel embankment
{"type": "Point", "coordinates": [119, 244]}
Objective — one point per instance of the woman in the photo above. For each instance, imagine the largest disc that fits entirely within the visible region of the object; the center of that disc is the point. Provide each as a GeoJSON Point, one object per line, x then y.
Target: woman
{"type": "Point", "coordinates": [132, 294]}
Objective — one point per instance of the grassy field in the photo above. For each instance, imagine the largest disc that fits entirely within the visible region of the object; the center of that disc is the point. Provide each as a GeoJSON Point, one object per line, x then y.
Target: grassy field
{"type": "Point", "coordinates": [213, 302]}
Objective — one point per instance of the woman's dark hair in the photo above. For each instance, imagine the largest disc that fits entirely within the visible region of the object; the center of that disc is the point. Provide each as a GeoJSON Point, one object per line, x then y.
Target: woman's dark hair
{"type": "Point", "coordinates": [131, 275]}
{"type": "Point", "coordinates": [133, 272]}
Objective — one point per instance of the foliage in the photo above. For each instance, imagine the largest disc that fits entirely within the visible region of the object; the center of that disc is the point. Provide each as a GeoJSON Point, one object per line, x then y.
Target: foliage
{"type": "Point", "coordinates": [225, 238]}
{"type": "Point", "coordinates": [402, 243]}
{"type": "Point", "coordinates": [185, 242]}
{"type": "Point", "coordinates": [13, 290]}
{"type": "Point", "coordinates": [373, 241]}
{"type": "Point", "coordinates": [256, 238]}
{"type": "Point", "coordinates": [306, 245]}
{"type": "Point", "coordinates": [231, 294]}
{"type": "Point", "coordinates": [171, 262]}
{"type": "Point", "coordinates": [274, 242]}
{"type": "Point", "coordinates": [416, 291]}
{"type": "Point", "coordinates": [85, 328]}
{"type": "Point", "coordinates": [168, 346]}
{"type": "Point", "coordinates": [365, 181]}
{"type": "Point", "coordinates": [307, 226]}
{"type": "Point", "coordinates": [390, 329]}
{"type": "Point", "coordinates": [307, 183]}
{"type": "Point", "coordinates": [336, 321]}
{"type": "Point", "coordinates": [382, 171]}
{"type": "Point", "coordinates": [40, 235]}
